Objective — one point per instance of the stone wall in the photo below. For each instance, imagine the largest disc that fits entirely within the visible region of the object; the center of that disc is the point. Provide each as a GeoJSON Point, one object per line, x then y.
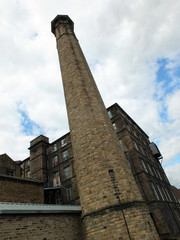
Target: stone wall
{"type": "Point", "coordinates": [40, 227]}
{"type": "Point", "coordinates": [103, 175]}
{"type": "Point", "coordinates": [9, 167]}
{"type": "Point", "coordinates": [13, 189]}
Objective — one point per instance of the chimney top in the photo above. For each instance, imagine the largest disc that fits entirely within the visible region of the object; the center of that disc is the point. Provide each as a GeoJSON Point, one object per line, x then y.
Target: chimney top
{"type": "Point", "coordinates": [61, 19]}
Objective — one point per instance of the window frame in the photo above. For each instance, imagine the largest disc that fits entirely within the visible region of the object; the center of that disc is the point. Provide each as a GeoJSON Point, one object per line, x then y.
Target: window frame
{"type": "Point", "coordinates": [63, 142]}
{"type": "Point", "coordinates": [67, 172]}
{"type": "Point", "coordinates": [70, 193]}
{"type": "Point", "coordinates": [65, 155]}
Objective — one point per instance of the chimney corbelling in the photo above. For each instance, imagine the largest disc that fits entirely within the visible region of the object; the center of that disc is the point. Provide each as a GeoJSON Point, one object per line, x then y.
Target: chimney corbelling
{"type": "Point", "coordinates": [61, 19]}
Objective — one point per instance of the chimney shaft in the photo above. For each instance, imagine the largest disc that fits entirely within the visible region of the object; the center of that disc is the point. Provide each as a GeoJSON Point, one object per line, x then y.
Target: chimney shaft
{"type": "Point", "coordinates": [111, 203]}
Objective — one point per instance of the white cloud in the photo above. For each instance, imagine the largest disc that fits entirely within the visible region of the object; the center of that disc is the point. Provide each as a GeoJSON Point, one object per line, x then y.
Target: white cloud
{"type": "Point", "coordinates": [122, 40]}
{"type": "Point", "coordinates": [173, 106]}
{"type": "Point", "coordinates": [173, 174]}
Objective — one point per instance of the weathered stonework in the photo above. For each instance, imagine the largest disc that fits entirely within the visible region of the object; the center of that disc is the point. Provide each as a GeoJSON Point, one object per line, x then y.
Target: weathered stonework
{"type": "Point", "coordinates": [40, 226]}
{"type": "Point", "coordinates": [38, 158]}
{"type": "Point", "coordinates": [13, 189]}
{"type": "Point", "coordinates": [110, 200]}
{"type": "Point", "coordinates": [9, 167]}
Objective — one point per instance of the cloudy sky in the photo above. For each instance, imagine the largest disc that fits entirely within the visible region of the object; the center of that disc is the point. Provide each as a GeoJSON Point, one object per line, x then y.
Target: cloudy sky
{"type": "Point", "coordinates": [132, 48]}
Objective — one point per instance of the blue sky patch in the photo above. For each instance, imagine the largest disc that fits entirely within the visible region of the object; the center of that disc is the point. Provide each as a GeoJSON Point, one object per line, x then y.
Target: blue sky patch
{"type": "Point", "coordinates": [166, 77]}
{"type": "Point", "coordinates": [173, 161]}
{"type": "Point", "coordinates": [29, 127]}
{"type": "Point", "coordinates": [166, 83]}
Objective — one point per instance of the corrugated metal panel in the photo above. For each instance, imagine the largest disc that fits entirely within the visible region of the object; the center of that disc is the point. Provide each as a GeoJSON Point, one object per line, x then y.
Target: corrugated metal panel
{"type": "Point", "coordinates": [24, 208]}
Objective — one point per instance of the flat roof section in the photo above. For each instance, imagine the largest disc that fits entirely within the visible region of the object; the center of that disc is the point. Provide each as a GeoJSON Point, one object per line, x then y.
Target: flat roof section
{"type": "Point", "coordinates": [25, 208]}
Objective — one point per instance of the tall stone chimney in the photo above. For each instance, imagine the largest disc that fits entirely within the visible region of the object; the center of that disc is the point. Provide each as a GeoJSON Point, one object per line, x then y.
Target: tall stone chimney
{"type": "Point", "coordinates": [112, 207]}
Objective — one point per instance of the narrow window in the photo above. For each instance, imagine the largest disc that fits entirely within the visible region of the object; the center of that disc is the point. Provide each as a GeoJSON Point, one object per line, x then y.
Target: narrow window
{"type": "Point", "coordinates": [165, 194]}
{"type": "Point", "coordinates": [63, 142]}
{"type": "Point", "coordinates": [144, 166]}
{"type": "Point", "coordinates": [28, 163]}
{"type": "Point", "coordinates": [166, 190]}
{"type": "Point", "coordinates": [150, 170]}
{"type": "Point", "coordinates": [54, 161]}
{"type": "Point", "coordinates": [128, 127]}
{"type": "Point", "coordinates": [154, 190]}
{"type": "Point", "coordinates": [135, 145]}
{"type": "Point", "coordinates": [28, 174]}
{"type": "Point", "coordinates": [160, 191]}
{"type": "Point", "coordinates": [122, 146]}
{"type": "Point", "coordinates": [177, 214]}
{"type": "Point", "coordinates": [142, 150]}
{"type": "Point", "coordinates": [54, 147]}
{"type": "Point", "coordinates": [56, 179]}
{"type": "Point", "coordinates": [22, 166]}
{"type": "Point", "coordinates": [175, 199]}
{"type": "Point", "coordinates": [110, 114]}
{"type": "Point", "coordinates": [67, 173]}
{"type": "Point", "coordinates": [155, 172]}
{"type": "Point", "coordinates": [114, 126]}
{"type": "Point", "coordinates": [70, 194]}
{"type": "Point", "coordinates": [65, 155]}
{"type": "Point", "coordinates": [159, 174]}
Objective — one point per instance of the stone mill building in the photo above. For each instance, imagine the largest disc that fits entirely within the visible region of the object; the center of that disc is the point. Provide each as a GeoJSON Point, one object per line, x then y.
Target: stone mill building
{"type": "Point", "coordinates": [104, 179]}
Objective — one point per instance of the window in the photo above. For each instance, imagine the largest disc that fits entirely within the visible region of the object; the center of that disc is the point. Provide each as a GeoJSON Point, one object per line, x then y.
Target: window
{"type": "Point", "coordinates": [154, 190]}
{"type": "Point", "coordinates": [63, 142]}
{"type": "Point", "coordinates": [70, 194]}
{"type": "Point", "coordinates": [160, 191]}
{"type": "Point", "coordinates": [110, 114]}
{"type": "Point", "coordinates": [56, 179]}
{"type": "Point", "coordinates": [175, 199]}
{"type": "Point", "coordinates": [177, 214]}
{"type": "Point", "coordinates": [128, 127]}
{"type": "Point", "coordinates": [122, 146]}
{"type": "Point", "coordinates": [28, 163]}
{"type": "Point", "coordinates": [22, 165]}
{"type": "Point", "coordinates": [169, 198]}
{"type": "Point", "coordinates": [135, 145]}
{"type": "Point", "coordinates": [150, 170]}
{"type": "Point", "coordinates": [166, 179]}
{"type": "Point", "coordinates": [134, 132]}
{"type": "Point", "coordinates": [54, 147]}
{"type": "Point", "coordinates": [65, 155]}
{"type": "Point", "coordinates": [155, 172]}
{"type": "Point", "coordinates": [165, 194]}
{"type": "Point", "coordinates": [67, 173]}
{"type": "Point", "coordinates": [114, 126]}
{"type": "Point", "coordinates": [144, 166]}
{"type": "Point", "coordinates": [158, 175]}
{"type": "Point", "coordinates": [142, 150]}
{"type": "Point", "coordinates": [54, 161]}
{"type": "Point", "coordinates": [27, 174]}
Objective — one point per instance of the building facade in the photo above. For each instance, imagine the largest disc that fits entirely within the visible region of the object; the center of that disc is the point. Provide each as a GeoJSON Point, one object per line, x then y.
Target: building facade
{"type": "Point", "coordinates": [60, 182]}
{"type": "Point", "coordinates": [106, 163]}
{"type": "Point", "coordinates": [9, 167]}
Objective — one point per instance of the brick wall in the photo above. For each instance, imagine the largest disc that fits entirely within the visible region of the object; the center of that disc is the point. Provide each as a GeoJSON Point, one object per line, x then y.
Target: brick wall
{"type": "Point", "coordinates": [40, 227]}
{"type": "Point", "coordinates": [13, 189]}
